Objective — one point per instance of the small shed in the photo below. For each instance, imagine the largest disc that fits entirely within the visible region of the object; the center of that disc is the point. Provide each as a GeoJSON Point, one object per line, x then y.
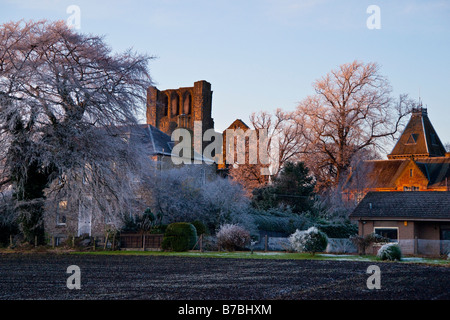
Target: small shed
{"type": "Point", "coordinates": [418, 221]}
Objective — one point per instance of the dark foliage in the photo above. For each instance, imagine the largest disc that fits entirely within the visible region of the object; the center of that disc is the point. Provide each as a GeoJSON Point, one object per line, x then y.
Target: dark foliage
{"type": "Point", "coordinates": [179, 236]}
{"type": "Point", "coordinates": [293, 187]}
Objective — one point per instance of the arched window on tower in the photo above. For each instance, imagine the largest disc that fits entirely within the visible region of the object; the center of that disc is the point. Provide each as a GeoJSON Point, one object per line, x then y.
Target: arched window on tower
{"type": "Point", "coordinates": [187, 102]}
{"type": "Point", "coordinates": [174, 105]}
{"type": "Point", "coordinates": [165, 105]}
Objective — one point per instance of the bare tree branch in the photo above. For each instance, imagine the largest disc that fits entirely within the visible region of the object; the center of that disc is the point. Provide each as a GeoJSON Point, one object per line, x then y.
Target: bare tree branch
{"type": "Point", "coordinates": [351, 111]}
{"type": "Point", "coordinates": [65, 103]}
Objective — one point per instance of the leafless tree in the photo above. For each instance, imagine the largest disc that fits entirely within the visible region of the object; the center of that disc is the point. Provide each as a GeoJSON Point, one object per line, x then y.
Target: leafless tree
{"type": "Point", "coordinates": [285, 136]}
{"type": "Point", "coordinates": [352, 110]}
{"type": "Point", "coordinates": [63, 98]}
{"type": "Point", "coordinates": [248, 176]}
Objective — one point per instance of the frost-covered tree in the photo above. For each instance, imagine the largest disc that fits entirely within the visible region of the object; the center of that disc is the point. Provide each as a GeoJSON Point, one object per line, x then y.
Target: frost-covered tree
{"type": "Point", "coordinates": [232, 237]}
{"type": "Point", "coordinates": [63, 97]}
{"type": "Point", "coordinates": [352, 110]}
{"type": "Point", "coordinates": [190, 193]}
{"type": "Point", "coordinates": [284, 134]}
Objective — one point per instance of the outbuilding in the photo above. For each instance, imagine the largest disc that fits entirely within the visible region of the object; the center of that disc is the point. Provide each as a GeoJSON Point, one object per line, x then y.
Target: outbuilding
{"type": "Point", "coordinates": [418, 221]}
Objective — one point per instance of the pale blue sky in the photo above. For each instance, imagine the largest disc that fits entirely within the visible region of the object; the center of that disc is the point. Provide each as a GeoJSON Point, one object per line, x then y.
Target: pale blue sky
{"type": "Point", "coordinates": [262, 55]}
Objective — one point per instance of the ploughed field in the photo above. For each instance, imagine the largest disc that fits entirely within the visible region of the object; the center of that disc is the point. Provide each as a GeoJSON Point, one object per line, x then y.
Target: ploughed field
{"type": "Point", "coordinates": [44, 276]}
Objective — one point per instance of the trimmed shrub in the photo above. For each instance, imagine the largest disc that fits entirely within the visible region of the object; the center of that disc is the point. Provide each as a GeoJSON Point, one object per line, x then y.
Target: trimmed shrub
{"type": "Point", "coordinates": [179, 236]}
{"type": "Point", "coordinates": [200, 227]}
{"type": "Point", "coordinates": [311, 240]}
{"type": "Point", "coordinates": [390, 251]}
{"type": "Point", "coordinates": [232, 237]}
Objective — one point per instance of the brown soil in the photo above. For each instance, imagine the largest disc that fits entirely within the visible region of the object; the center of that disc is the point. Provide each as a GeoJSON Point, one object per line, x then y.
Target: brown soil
{"type": "Point", "coordinates": [43, 276]}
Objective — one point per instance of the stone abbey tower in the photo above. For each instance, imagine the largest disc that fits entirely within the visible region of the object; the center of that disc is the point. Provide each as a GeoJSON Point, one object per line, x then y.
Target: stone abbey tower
{"type": "Point", "coordinates": [179, 108]}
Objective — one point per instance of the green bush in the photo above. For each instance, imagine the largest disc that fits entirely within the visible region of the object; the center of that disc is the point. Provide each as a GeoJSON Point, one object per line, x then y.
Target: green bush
{"type": "Point", "coordinates": [390, 251]}
{"type": "Point", "coordinates": [338, 230]}
{"type": "Point", "coordinates": [179, 236]}
{"type": "Point", "coordinates": [311, 240]}
{"type": "Point", "coordinates": [280, 220]}
{"type": "Point", "coordinates": [159, 229]}
{"type": "Point", "coordinates": [145, 222]}
{"type": "Point", "coordinates": [200, 227]}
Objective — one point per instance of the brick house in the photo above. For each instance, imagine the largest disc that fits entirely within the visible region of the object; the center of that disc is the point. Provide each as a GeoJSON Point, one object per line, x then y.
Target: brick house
{"type": "Point", "coordinates": [418, 221]}
{"type": "Point", "coordinates": [418, 162]}
{"type": "Point", "coordinates": [64, 218]}
{"type": "Point", "coordinates": [406, 197]}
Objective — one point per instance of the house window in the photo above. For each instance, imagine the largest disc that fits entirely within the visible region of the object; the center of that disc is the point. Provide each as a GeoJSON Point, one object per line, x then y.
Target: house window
{"type": "Point", "coordinates": [413, 188]}
{"type": "Point", "coordinates": [58, 241]}
{"type": "Point", "coordinates": [445, 234]}
{"type": "Point", "coordinates": [411, 172]}
{"type": "Point", "coordinates": [389, 232]}
{"type": "Point", "coordinates": [61, 213]}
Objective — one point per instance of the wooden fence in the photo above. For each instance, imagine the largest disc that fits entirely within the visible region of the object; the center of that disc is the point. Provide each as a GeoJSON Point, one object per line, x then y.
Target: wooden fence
{"type": "Point", "coordinates": [141, 241]}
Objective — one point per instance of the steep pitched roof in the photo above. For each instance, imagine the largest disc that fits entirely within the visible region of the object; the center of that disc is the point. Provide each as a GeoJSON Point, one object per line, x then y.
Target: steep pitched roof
{"type": "Point", "coordinates": [154, 141]}
{"type": "Point", "coordinates": [382, 174]}
{"type": "Point", "coordinates": [376, 174]}
{"type": "Point", "coordinates": [437, 170]}
{"type": "Point", "coordinates": [238, 124]}
{"type": "Point", "coordinates": [419, 139]}
{"type": "Point", "coordinates": [424, 205]}
{"type": "Point", "coordinates": [161, 142]}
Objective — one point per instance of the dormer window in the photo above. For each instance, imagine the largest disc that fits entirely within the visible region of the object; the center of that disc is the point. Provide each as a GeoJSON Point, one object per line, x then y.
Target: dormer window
{"type": "Point", "coordinates": [433, 139]}
{"type": "Point", "coordinates": [412, 138]}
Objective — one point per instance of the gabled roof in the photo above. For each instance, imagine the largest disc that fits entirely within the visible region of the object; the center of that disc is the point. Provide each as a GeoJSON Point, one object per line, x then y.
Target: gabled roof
{"type": "Point", "coordinates": [238, 124]}
{"type": "Point", "coordinates": [161, 142]}
{"type": "Point", "coordinates": [423, 205]}
{"type": "Point", "coordinates": [376, 174]}
{"type": "Point", "coordinates": [419, 139]}
{"type": "Point", "coordinates": [437, 170]}
{"type": "Point", "coordinates": [154, 141]}
{"type": "Point", "coordinates": [382, 174]}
